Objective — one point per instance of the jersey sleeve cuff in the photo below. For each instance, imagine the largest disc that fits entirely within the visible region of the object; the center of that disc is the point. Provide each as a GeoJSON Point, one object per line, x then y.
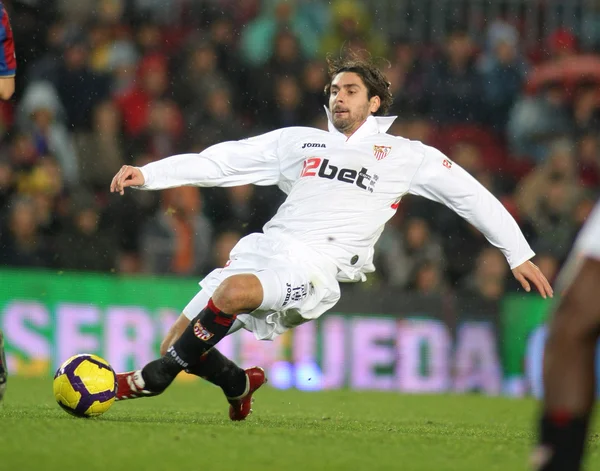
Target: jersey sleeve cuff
{"type": "Point", "coordinates": [147, 178]}
{"type": "Point", "coordinates": [521, 260]}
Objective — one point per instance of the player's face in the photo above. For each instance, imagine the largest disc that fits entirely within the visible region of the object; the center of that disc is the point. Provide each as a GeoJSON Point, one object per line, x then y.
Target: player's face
{"type": "Point", "coordinates": [349, 102]}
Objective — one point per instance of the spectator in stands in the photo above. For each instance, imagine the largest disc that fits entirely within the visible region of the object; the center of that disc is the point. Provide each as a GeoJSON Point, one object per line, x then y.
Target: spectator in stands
{"type": "Point", "coordinates": [551, 223]}
{"type": "Point", "coordinates": [223, 38]}
{"type": "Point", "coordinates": [588, 159]}
{"type": "Point", "coordinates": [246, 207]}
{"type": "Point", "coordinates": [44, 185]}
{"type": "Point", "coordinates": [149, 38]}
{"type": "Point", "coordinates": [591, 25]}
{"type": "Point", "coordinates": [562, 44]}
{"type": "Point", "coordinates": [287, 107]}
{"type": "Point", "coordinates": [7, 182]}
{"type": "Point", "coordinates": [454, 85]}
{"type": "Point", "coordinates": [257, 40]}
{"type": "Point", "coordinates": [79, 87]}
{"type": "Point", "coordinates": [200, 75]}
{"type": "Point", "coordinates": [407, 76]}
{"type": "Point", "coordinates": [428, 279]}
{"type": "Point", "coordinates": [536, 120]}
{"type": "Point", "coordinates": [313, 83]}
{"type": "Point", "coordinates": [287, 61]}
{"type": "Point", "coordinates": [163, 131]}
{"type": "Point", "coordinates": [352, 29]}
{"type": "Point", "coordinates": [22, 153]}
{"type": "Point", "coordinates": [41, 115]}
{"type": "Point", "coordinates": [101, 150]}
{"type": "Point", "coordinates": [82, 245]}
{"type": "Point", "coordinates": [402, 253]}
{"type": "Point", "coordinates": [122, 65]}
{"type": "Point", "coordinates": [532, 193]}
{"type": "Point", "coordinates": [586, 108]}
{"type": "Point", "coordinates": [178, 239]}
{"type": "Point", "coordinates": [488, 280]}
{"type": "Point", "coordinates": [152, 84]}
{"type": "Point", "coordinates": [46, 68]}
{"type": "Point", "coordinates": [217, 121]}
{"type": "Point", "coordinates": [100, 44]}
{"type": "Point", "coordinates": [503, 70]}
{"type": "Point", "coordinates": [21, 244]}
{"type": "Point", "coordinates": [287, 58]}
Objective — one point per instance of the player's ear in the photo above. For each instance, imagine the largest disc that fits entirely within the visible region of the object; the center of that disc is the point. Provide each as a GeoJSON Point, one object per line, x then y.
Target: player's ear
{"type": "Point", "coordinates": [374, 104]}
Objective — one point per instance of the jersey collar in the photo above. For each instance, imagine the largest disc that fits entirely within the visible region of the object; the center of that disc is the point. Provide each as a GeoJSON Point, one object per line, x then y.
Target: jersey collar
{"type": "Point", "coordinates": [373, 125]}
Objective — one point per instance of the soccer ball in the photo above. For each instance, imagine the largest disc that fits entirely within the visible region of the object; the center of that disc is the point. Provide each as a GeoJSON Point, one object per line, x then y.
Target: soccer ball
{"type": "Point", "coordinates": [85, 385]}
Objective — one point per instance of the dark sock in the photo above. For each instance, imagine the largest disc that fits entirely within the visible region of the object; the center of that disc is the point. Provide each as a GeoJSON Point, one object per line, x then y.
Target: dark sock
{"type": "Point", "coordinates": [206, 330]}
{"type": "Point", "coordinates": [221, 371]}
{"type": "Point", "coordinates": [564, 436]}
{"type": "Point", "coordinates": [159, 374]}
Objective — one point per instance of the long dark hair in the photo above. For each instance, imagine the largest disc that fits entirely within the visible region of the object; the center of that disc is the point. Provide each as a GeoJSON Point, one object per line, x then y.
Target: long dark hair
{"type": "Point", "coordinates": [376, 83]}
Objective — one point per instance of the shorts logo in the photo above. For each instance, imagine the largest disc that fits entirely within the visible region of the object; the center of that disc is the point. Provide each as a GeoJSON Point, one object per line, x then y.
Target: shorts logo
{"type": "Point", "coordinates": [201, 332]}
{"type": "Point", "coordinates": [288, 294]}
{"type": "Point", "coordinates": [295, 294]}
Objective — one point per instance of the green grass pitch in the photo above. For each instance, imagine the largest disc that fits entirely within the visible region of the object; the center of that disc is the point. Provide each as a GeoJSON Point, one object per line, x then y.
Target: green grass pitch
{"type": "Point", "coordinates": [188, 428]}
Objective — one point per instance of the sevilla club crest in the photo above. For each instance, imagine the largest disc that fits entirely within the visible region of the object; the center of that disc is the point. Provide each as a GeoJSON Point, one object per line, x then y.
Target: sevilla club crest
{"type": "Point", "coordinates": [381, 152]}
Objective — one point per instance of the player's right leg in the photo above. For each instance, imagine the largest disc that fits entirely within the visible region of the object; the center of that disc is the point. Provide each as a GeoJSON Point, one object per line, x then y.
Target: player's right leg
{"type": "Point", "coordinates": [3, 369]}
{"type": "Point", "coordinates": [569, 373]}
{"type": "Point", "coordinates": [236, 294]}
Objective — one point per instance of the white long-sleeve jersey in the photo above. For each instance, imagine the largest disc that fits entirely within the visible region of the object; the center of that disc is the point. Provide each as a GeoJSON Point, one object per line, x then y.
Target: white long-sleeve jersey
{"type": "Point", "coordinates": [342, 190]}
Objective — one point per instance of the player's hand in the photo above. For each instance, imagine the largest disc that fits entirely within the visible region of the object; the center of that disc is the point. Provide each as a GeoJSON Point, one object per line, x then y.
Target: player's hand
{"type": "Point", "coordinates": [528, 272]}
{"type": "Point", "coordinates": [127, 176]}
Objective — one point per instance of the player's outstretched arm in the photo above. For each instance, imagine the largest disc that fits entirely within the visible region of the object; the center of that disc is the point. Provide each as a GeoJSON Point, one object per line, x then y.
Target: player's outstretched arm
{"type": "Point", "coordinates": [443, 181]}
{"type": "Point", "coordinates": [249, 161]}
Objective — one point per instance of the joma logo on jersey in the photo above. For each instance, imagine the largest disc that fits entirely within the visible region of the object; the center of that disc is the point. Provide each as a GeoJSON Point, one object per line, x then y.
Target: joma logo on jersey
{"type": "Point", "coordinates": [313, 144]}
{"type": "Point", "coordinates": [317, 167]}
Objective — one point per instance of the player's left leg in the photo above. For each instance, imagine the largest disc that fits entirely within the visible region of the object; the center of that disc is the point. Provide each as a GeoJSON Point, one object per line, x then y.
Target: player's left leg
{"type": "Point", "coordinates": [237, 384]}
{"type": "Point", "coordinates": [569, 373]}
{"type": "Point", "coordinates": [236, 294]}
{"type": "Point", "coordinates": [213, 366]}
{"type": "Point", "coordinates": [3, 369]}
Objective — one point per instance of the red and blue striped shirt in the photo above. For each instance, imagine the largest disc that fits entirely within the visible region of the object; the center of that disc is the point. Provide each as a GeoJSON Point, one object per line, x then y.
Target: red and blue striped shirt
{"type": "Point", "coordinates": [8, 60]}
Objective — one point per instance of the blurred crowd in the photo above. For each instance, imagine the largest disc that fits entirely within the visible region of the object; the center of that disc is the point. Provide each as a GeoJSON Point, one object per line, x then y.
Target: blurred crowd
{"type": "Point", "coordinates": [102, 83]}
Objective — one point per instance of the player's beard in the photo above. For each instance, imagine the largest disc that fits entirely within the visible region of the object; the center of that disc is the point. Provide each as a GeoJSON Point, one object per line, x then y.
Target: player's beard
{"type": "Point", "coordinates": [351, 120]}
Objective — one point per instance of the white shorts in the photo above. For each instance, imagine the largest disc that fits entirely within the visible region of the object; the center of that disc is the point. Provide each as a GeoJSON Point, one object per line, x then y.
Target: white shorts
{"type": "Point", "coordinates": [298, 284]}
{"type": "Point", "coordinates": [586, 246]}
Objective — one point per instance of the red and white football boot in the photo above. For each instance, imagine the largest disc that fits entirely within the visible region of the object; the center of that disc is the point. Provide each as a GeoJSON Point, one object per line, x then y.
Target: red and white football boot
{"type": "Point", "coordinates": [241, 406]}
{"type": "Point", "coordinates": [130, 385]}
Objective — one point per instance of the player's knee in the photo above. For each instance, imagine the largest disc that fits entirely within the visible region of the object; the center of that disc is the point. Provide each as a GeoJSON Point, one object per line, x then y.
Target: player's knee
{"type": "Point", "coordinates": [238, 294]}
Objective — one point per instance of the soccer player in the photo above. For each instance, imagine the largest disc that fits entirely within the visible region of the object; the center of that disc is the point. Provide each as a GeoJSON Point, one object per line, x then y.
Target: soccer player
{"type": "Point", "coordinates": [569, 357]}
{"type": "Point", "coordinates": [342, 187]}
{"type": "Point", "coordinates": [8, 69]}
